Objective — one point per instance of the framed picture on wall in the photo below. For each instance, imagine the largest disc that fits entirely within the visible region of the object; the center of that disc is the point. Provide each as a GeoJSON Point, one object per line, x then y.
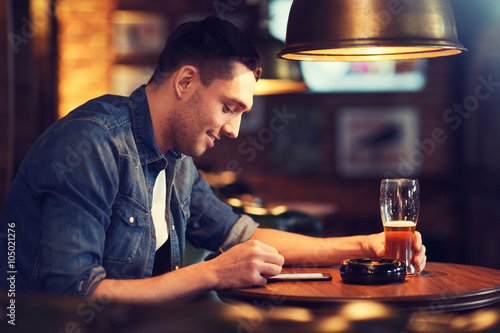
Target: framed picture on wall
{"type": "Point", "coordinates": [377, 141]}
{"type": "Point", "coordinates": [138, 33]}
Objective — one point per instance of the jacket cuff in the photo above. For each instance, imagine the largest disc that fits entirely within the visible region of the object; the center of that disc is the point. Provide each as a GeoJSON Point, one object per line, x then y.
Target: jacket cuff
{"type": "Point", "coordinates": [87, 284]}
{"type": "Point", "coordinates": [241, 231]}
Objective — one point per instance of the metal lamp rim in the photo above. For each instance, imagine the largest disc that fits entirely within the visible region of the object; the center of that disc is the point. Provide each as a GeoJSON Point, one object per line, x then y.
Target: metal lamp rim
{"type": "Point", "coordinates": [430, 35]}
{"type": "Point", "coordinates": [379, 43]}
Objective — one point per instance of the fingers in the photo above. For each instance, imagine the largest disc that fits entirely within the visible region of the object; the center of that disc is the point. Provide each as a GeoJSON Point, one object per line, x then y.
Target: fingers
{"type": "Point", "coordinates": [417, 241]}
{"type": "Point", "coordinates": [256, 273]}
{"type": "Point", "coordinates": [272, 258]}
{"type": "Point", "coordinates": [374, 246]}
{"type": "Point", "coordinates": [420, 258]}
{"type": "Point", "coordinates": [263, 252]}
{"type": "Point", "coordinates": [266, 259]}
{"type": "Point", "coordinates": [248, 264]}
{"type": "Point", "coordinates": [380, 246]}
{"type": "Point", "coordinates": [268, 270]}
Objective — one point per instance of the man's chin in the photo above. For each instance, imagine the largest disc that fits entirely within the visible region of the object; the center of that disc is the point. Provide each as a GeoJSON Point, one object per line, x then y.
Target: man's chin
{"type": "Point", "coordinates": [193, 152]}
{"type": "Point", "coordinates": [196, 154]}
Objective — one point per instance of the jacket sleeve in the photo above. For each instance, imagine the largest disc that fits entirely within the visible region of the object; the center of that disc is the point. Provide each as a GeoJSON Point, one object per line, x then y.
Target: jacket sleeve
{"type": "Point", "coordinates": [76, 175]}
{"type": "Point", "coordinates": [212, 223]}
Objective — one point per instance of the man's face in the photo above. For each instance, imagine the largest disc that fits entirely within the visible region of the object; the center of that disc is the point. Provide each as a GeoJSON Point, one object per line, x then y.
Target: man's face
{"type": "Point", "coordinates": [213, 112]}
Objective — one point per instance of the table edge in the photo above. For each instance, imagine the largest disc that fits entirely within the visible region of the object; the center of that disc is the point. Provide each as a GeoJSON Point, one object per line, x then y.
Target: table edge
{"type": "Point", "coordinates": [461, 301]}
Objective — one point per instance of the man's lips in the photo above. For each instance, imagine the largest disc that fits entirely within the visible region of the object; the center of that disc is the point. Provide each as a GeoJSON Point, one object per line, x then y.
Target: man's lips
{"type": "Point", "coordinates": [212, 139]}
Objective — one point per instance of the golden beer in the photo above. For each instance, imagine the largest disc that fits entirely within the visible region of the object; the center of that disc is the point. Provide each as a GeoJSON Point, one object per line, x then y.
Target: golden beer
{"type": "Point", "coordinates": [399, 242]}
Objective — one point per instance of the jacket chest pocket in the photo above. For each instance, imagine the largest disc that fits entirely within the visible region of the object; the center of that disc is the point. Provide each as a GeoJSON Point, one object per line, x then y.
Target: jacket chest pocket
{"type": "Point", "coordinates": [185, 208]}
{"type": "Point", "coordinates": [127, 233]}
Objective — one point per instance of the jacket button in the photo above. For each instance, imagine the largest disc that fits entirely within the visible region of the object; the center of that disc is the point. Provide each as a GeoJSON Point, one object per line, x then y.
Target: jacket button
{"type": "Point", "coordinates": [131, 219]}
{"type": "Point", "coordinates": [176, 267]}
{"type": "Point", "coordinates": [173, 227]}
{"type": "Point", "coordinates": [149, 190]}
{"type": "Point", "coordinates": [153, 235]}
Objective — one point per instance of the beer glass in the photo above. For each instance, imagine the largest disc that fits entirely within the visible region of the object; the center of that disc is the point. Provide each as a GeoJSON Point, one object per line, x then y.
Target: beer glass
{"type": "Point", "coordinates": [399, 208]}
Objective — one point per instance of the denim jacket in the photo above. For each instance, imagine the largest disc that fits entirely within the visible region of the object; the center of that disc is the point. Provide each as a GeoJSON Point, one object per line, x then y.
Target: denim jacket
{"type": "Point", "coordinates": [80, 205]}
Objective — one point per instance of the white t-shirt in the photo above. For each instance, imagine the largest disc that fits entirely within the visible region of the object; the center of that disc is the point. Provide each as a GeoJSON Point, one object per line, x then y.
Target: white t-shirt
{"type": "Point", "coordinates": [158, 209]}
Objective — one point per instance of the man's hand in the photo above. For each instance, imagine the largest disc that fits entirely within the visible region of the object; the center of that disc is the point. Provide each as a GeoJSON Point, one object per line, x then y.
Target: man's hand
{"type": "Point", "coordinates": [375, 248]}
{"type": "Point", "coordinates": [419, 258]}
{"type": "Point", "coordinates": [246, 265]}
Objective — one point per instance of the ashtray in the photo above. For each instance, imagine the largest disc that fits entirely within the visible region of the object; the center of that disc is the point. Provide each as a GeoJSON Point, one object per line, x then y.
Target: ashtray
{"type": "Point", "coordinates": [367, 271]}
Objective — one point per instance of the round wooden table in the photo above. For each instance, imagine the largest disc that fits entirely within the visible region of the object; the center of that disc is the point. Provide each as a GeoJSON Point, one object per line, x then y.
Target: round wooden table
{"type": "Point", "coordinates": [440, 287]}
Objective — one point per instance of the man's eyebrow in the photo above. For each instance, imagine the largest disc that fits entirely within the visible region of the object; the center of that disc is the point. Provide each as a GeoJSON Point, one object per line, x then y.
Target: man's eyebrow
{"type": "Point", "coordinates": [240, 103]}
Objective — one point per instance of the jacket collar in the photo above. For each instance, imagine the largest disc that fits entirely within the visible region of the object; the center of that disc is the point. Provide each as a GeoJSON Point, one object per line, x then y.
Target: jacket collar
{"type": "Point", "coordinates": [142, 129]}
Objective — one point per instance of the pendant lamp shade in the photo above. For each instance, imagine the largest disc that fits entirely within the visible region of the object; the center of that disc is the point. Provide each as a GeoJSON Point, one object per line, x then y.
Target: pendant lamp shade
{"type": "Point", "coordinates": [370, 30]}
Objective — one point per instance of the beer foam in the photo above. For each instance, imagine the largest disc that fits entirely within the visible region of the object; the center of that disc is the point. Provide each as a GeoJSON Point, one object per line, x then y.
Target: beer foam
{"type": "Point", "coordinates": [400, 224]}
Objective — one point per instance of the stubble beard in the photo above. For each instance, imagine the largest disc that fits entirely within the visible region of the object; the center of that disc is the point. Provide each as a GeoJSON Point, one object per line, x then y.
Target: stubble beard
{"type": "Point", "coordinates": [187, 135]}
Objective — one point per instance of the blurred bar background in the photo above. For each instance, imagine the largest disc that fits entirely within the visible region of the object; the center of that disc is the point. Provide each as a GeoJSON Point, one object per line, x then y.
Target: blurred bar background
{"type": "Point", "coordinates": [322, 151]}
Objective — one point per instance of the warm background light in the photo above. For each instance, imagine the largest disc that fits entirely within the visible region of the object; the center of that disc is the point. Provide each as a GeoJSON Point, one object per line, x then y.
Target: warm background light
{"type": "Point", "coordinates": [270, 87]}
{"type": "Point", "coordinates": [372, 53]}
{"type": "Point", "coordinates": [85, 53]}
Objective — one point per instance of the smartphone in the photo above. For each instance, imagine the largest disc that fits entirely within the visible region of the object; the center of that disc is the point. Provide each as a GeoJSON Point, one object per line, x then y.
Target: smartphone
{"type": "Point", "coordinates": [300, 277]}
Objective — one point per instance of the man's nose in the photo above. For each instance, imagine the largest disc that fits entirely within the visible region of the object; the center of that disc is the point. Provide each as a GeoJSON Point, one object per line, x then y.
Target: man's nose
{"type": "Point", "coordinates": [232, 128]}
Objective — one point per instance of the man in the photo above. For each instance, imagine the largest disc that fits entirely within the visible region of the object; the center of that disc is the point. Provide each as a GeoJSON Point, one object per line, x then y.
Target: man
{"type": "Point", "coordinates": [106, 198]}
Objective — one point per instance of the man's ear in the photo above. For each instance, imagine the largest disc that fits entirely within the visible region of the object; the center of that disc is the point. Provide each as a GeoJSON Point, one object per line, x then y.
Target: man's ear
{"type": "Point", "coordinates": [184, 79]}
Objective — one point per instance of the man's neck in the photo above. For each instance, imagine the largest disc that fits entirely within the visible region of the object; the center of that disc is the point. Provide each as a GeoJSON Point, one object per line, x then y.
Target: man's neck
{"type": "Point", "coordinates": [159, 108]}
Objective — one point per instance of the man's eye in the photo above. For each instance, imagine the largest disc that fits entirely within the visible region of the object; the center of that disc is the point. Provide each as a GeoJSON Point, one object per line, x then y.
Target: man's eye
{"type": "Point", "coordinates": [228, 110]}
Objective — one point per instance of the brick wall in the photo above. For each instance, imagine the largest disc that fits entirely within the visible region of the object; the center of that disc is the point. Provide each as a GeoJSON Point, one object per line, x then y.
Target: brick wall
{"type": "Point", "coordinates": [85, 54]}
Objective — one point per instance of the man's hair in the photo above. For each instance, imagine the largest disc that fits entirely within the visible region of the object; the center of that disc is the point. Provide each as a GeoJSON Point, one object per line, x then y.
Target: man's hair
{"type": "Point", "coordinates": [212, 45]}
